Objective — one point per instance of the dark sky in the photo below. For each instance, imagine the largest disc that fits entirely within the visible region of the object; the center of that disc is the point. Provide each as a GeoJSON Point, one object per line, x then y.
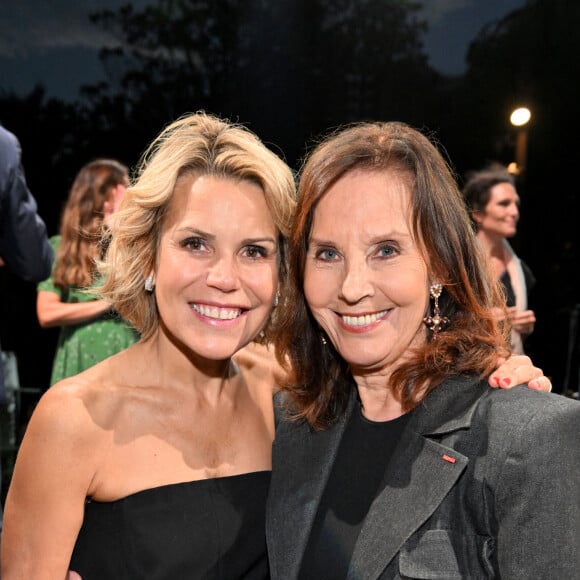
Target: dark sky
{"type": "Point", "coordinates": [53, 42]}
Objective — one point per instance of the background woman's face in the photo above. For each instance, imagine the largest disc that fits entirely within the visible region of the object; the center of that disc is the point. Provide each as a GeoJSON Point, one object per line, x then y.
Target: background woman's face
{"type": "Point", "coordinates": [365, 278]}
{"type": "Point", "coordinates": [502, 212]}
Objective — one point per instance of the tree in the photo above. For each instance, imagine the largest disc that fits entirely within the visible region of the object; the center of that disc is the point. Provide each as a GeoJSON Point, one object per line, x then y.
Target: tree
{"type": "Point", "coordinates": [173, 56]}
{"type": "Point", "coordinates": [289, 68]}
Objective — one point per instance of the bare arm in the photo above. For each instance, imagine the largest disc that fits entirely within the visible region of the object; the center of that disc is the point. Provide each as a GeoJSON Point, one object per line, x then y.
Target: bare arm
{"type": "Point", "coordinates": [45, 502]}
{"type": "Point", "coordinates": [52, 312]}
{"type": "Point", "coordinates": [516, 370]}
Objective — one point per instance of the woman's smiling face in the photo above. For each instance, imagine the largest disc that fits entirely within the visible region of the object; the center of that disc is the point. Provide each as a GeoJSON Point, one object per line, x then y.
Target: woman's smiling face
{"type": "Point", "coordinates": [365, 278]}
{"type": "Point", "coordinates": [502, 212]}
{"type": "Point", "coordinates": [217, 271]}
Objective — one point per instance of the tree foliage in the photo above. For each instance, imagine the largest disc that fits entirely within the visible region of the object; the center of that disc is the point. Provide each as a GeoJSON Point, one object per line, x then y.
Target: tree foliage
{"type": "Point", "coordinates": [291, 67]}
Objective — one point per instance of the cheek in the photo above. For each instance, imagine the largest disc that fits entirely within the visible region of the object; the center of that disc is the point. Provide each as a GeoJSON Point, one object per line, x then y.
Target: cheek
{"type": "Point", "coordinates": [264, 282]}
{"type": "Point", "coordinates": [318, 287]}
{"type": "Point", "coordinates": [409, 289]}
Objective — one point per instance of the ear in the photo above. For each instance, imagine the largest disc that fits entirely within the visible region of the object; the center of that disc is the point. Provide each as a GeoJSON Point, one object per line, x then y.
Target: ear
{"type": "Point", "coordinates": [477, 216]}
{"type": "Point", "coordinates": [107, 209]}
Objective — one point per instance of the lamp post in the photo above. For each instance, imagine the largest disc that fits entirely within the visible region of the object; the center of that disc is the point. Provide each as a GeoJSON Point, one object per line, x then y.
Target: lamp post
{"type": "Point", "coordinates": [520, 118]}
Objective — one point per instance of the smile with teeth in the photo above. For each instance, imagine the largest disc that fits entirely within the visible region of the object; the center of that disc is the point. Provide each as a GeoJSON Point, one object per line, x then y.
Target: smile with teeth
{"type": "Point", "coordinates": [363, 320]}
{"type": "Point", "coordinates": [216, 312]}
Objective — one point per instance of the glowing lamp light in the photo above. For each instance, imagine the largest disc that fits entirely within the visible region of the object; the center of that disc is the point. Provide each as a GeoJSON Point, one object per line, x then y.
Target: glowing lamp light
{"type": "Point", "coordinates": [520, 116]}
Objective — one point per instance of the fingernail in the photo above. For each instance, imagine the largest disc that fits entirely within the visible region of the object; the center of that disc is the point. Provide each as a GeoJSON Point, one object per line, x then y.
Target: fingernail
{"type": "Point", "coordinates": [534, 384]}
{"type": "Point", "coordinates": [495, 381]}
{"type": "Point", "coordinates": [506, 382]}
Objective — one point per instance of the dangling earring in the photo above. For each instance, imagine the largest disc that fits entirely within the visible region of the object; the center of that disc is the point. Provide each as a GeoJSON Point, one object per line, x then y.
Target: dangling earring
{"type": "Point", "coordinates": [276, 299]}
{"type": "Point", "coordinates": [436, 322]}
{"type": "Point", "coordinates": [149, 285]}
{"type": "Point", "coordinates": [323, 339]}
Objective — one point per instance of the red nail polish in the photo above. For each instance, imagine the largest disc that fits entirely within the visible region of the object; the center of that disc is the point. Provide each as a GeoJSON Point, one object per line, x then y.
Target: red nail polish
{"type": "Point", "coordinates": [506, 382]}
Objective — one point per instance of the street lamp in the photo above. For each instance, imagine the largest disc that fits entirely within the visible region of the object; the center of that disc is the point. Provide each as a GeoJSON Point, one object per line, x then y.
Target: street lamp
{"type": "Point", "coordinates": [519, 118]}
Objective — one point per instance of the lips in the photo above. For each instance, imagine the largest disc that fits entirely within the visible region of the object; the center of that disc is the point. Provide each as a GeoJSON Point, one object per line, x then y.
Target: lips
{"type": "Point", "coordinates": [216, 312]}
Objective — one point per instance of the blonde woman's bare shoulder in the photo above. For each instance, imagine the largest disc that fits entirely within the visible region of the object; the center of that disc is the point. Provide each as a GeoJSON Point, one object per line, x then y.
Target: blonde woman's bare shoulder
{"type": "Point", "coordinates": [259, 362]}
{"type": "Point", "coordinates": [64, 434]}
{"type": "Point", "coordinates": [72, 405]}
{"type": "Point", "coordinates": [89, 400]}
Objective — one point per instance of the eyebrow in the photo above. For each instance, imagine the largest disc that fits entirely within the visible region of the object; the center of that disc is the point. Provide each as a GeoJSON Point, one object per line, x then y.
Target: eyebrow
{"type": "Point", "coordinates": [212, 237]}
{"type": "Point", "coordinates": [375, 239]}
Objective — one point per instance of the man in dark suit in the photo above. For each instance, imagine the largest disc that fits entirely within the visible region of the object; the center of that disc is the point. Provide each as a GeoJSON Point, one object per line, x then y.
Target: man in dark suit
{"type": "Point", "coordinates": [24, 246]}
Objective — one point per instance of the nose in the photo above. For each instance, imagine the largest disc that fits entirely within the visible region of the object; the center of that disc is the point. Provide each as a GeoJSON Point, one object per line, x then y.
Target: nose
{"type": "Point", "coordinates": [356, 283]}
{"type": "Point", "coordinates": [514, 210]}
{"type": "Point", "coordinates": [223, 274]}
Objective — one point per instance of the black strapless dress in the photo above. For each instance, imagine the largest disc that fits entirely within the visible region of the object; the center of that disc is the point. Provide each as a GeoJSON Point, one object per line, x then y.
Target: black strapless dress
{"type": "Point", "coordinates": [208, 529]}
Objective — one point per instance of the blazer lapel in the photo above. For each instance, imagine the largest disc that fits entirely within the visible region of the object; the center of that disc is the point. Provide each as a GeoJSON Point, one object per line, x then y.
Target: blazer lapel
{"type": "Point", "coordinates": [301, 464]}
{"type": "Point", "coordinates": [417, 479]}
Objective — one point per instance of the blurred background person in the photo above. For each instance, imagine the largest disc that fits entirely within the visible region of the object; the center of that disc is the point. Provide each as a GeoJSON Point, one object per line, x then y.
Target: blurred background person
{"type": "Point", "coordinates": [24, 246]}
{"type": "Point", "coordinates": [494, 205]}
{"type": "Point", "coordinates": [90, 330]}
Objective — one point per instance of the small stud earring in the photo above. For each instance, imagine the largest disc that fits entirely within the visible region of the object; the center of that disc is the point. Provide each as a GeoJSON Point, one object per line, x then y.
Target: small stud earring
{"type": "Point", "coordinates": [436, 322]}
{"type": "Point", "coordinates": [149, 285]}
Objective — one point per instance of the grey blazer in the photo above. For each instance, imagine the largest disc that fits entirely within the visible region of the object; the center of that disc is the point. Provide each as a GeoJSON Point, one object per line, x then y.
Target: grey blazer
{"type": "Point", "coordinates": [484, 483]}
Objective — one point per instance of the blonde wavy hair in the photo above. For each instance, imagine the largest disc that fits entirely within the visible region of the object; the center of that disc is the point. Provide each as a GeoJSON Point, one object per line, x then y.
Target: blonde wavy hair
{"type": "Point", "coordinates": [200, 144]}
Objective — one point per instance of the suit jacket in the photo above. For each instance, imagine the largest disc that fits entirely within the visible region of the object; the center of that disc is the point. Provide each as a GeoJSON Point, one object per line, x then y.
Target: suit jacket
{"type": "Point", "coordinates": [484, 483]}
{"type": "Point", "coordinates": [24, 244]}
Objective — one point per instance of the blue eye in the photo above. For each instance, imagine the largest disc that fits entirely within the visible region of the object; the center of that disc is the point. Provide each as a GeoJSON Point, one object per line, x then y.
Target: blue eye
{"type": "Point", "coordinates": [327, 255]}
{"type": "Point", "coordinates": [386, 251]}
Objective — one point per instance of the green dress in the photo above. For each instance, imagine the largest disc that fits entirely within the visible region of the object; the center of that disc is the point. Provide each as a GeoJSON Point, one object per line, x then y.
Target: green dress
{"type": "Point", "coordinates": [82, 345]}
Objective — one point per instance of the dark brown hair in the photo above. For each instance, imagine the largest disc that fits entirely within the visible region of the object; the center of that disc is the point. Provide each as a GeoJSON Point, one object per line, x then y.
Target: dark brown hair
{"type": "Point", "coordinates": [322, 383]}
{"type": "Point", "coordinates": [477, 188]}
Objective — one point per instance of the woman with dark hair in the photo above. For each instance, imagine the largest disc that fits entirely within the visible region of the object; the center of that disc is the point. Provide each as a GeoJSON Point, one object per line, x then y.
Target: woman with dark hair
{"type": "Point", "coordinates": [90, 331]}
{"type": "Point", "coordinates": [392, 457]}
{"type": "Point", "coordinates": [494, 206]}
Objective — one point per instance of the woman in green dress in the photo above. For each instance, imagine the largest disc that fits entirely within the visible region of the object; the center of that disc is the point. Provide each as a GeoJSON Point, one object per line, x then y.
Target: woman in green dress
{"type": "Point", "coordinates": [90, 330]}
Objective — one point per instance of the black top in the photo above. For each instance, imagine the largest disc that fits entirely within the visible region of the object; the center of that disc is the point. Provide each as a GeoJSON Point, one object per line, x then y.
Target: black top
{"type": "Point", "coordinates": [207, 529]}
{"type": "Point", "coordinates": [508, 287]}
{"type": "Point", "coordinates": [357, 477]}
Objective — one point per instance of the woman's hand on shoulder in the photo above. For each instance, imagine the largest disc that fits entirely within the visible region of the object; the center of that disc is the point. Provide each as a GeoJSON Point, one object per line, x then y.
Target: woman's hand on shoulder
{"type": "Point", "coordinates": [517, 370]}
{"type": "Point", "coordinates": [260, 360]}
